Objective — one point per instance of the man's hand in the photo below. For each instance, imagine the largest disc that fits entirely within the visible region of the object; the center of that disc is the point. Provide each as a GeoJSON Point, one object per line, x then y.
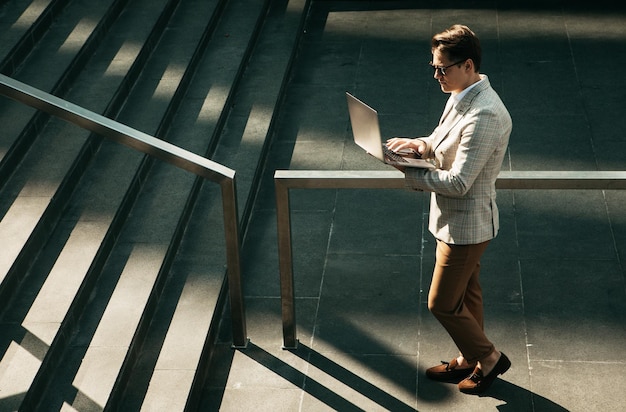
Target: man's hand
{"type": "Point", "coordinates": [405, 144]}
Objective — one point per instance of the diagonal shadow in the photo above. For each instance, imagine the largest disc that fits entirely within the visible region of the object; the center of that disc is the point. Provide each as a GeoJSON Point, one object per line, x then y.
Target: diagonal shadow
{"type": "Point", "coordinates": [11, 403]}
{"type": "Point", "coordinates": [350, 379]}
{"type": "Point", "coordinates": [318, 390]}
{"type": "Point", "coordinates": [515, 398]}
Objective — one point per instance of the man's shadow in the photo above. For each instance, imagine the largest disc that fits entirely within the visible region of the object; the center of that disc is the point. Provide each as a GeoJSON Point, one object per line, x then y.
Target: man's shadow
{"type": "Point", "coordinates": [514, 398]}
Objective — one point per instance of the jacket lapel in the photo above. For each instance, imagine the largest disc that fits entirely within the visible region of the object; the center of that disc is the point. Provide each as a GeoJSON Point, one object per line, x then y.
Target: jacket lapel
{"type": "Point", "coordinates": [455, 113]}
{"type": "Point", "coordinates": [451, 119]}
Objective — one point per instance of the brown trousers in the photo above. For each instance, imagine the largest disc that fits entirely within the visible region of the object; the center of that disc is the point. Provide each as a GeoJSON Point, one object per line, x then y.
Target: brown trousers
{"type": "Point", "coordinates": [455, 298]}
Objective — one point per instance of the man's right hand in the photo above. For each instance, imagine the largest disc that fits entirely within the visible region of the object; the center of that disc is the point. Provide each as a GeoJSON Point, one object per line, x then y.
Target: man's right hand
{"type": "Point", "coordinates": [399, 144]}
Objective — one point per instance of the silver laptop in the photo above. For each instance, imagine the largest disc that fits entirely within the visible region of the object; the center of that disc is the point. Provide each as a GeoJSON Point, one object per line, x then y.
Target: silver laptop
{"type": "Point", "coordinates": [366, 132]}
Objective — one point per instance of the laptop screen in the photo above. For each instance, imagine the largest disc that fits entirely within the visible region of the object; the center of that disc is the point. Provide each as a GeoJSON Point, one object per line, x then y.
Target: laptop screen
{"type": "Point", "coordinates": [365, 127]}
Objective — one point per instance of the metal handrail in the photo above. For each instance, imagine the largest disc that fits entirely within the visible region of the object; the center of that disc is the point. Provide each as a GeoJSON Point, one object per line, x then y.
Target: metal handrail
{"type": "Point", "coordinates": [167, 152]}
{"type": "Point", "coordinates": [392, 179]}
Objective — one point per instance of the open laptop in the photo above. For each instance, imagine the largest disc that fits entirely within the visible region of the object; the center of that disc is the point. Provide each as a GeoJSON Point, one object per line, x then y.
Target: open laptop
{"type": "Point", "coordinates": [366, 131]}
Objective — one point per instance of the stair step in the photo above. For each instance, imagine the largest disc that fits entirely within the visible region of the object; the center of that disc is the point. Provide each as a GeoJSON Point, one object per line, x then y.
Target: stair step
{"type": "Point", "coordinates": [122, 290]}
{"type": "Point", "coordinates": [25, 198]}
{"type": "Point", "coordinates": [33, 199]}
{"type": "Point", "coordinates": [95, 222]}
{"type": "Point", "coordinates": [62, 51]}
{"type": "Point", "coordinates": [22, 24]}
{"type": "Point", "coordinates": [247, 134]}
{"type": "Point", "coordinates": [180, 356]}
{"type": "Point", "coordinates": [145, 229]}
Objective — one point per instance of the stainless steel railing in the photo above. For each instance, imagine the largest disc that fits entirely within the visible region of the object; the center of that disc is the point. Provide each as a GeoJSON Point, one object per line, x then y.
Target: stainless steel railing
{"type": "Point", "coordinates": [285, 180]}
{"type": "Point", "coordinates": [167, 152]}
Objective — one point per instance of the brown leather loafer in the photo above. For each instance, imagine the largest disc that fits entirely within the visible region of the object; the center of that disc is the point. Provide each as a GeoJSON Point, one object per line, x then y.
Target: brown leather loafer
{"type": "Point", "coordinates": [477, 383]}
{"type": "Point", "coordinates": [448, 372]}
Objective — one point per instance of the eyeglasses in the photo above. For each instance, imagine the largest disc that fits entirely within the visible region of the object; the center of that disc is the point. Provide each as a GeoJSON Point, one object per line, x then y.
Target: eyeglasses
{"type": "Point", "coordinates": [442, 69]}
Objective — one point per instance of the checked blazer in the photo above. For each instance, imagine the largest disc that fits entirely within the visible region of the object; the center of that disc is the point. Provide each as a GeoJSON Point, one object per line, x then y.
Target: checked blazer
{"type": "Point", "coordinates": [468, 148]}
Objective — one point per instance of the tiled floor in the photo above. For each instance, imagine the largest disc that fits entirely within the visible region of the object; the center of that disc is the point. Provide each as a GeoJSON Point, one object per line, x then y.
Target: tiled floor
{"type": "Point", "coordinates": [553, 280]}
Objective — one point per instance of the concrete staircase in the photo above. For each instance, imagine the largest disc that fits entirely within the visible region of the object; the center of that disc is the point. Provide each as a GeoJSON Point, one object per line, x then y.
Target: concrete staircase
{"type": "Point", "coordinates": [112, 264]}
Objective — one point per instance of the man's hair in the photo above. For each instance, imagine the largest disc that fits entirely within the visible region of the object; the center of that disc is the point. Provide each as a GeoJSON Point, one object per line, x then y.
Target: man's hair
{"type": "Point", "coordinates": [458, 43]}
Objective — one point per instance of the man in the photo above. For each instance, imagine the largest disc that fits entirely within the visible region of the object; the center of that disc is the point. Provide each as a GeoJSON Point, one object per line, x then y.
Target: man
{"type": "Point", "coordinates": [468, 147]}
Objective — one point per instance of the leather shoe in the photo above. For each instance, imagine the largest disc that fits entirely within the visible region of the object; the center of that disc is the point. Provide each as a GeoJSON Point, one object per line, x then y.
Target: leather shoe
{"type": "Point", "coordinates": [477, 383]}
{"type": "Point", "coordinates": [448, 372]}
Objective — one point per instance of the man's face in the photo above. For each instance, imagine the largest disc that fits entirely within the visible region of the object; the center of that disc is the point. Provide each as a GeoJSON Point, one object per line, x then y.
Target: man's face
{"type": "Point", "coordinates": [455, 78]}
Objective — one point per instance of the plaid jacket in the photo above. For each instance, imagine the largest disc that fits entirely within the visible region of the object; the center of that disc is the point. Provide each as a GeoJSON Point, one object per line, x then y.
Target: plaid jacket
{"type": "Point", "coordinates": [468, 147]}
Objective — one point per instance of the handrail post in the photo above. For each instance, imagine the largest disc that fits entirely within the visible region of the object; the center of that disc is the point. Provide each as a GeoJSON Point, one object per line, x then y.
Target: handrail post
{"type": "Point", "coordinates": [287, 295]}
{"type": "Point", "coordinates": [233, 258]}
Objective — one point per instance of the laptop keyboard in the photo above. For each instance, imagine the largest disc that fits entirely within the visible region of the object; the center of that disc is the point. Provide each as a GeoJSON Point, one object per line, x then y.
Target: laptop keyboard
{"type": "Point", "coordinates": [393, 155]}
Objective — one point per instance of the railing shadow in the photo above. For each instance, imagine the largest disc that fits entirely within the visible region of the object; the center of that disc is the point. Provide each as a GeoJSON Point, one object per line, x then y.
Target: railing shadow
{"type": "Point", "coordinates": [351, 379]}
{"type": "Point", "coordinates": [318, 390]}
